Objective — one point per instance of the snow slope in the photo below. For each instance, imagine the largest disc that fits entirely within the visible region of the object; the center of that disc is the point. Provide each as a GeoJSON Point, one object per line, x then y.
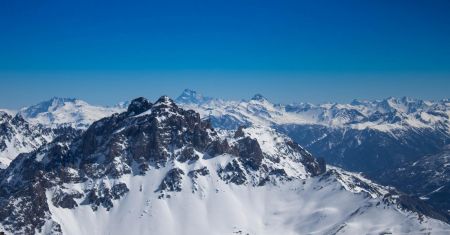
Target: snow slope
{"type": "Point", "coordinates": [75, 113]}
{"type": "Point", "coordinates": [313, 206]}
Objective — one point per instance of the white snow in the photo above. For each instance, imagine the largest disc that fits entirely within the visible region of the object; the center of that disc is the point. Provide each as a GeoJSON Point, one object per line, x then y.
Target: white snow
{"type": "Point", "coordinates": [411, 113]}
{"type": "Point", "coordinates": [310, 206]}
{"type": "Point", "coordinates": [67, 112]}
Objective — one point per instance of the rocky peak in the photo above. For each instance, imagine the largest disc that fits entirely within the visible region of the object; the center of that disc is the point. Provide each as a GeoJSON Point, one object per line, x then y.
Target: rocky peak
{"type": "Point", "coordinates": [357, 102]}
{"type": "Point", "coordinates": [139, 105]}
{"type": "Point", "coordinates": [192, 97]}
{"type": "Point", "coordinates": [58, 101]}
{"type": "Point", "coordinates": [259, 97]}
{"type": "Point", "coordinates": [4, 117]}
{"type": "Point", "coordinates": [166, 106]}
{"type": "Point", "coordinates": [165, 101]}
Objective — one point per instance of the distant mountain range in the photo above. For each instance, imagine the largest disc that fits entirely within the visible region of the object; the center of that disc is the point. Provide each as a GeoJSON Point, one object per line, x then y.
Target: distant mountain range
{"type": "Point", "coordinates": [395, 141]}
{"type": "Point", "coordinates": [160, 168]}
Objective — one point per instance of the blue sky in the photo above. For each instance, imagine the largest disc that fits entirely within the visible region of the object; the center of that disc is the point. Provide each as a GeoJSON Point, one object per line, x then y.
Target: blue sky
{"type": "Point", "coordinates": [108, 51]}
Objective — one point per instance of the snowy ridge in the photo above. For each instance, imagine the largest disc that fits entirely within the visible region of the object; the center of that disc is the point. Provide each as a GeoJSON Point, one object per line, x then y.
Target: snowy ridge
{"type": "Point", "coordinates": [154, 166]}
{"type": "Point", "coordinates": [382, 115]}
{"type": "Point", "coordinates": [18, 136]}
{"type": "Point", "coordinates": [75, 113]}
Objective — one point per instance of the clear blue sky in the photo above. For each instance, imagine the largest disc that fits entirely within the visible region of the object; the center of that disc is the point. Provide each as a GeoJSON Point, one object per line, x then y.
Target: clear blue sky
{"type": "Point", "coordinates": [108, 51]}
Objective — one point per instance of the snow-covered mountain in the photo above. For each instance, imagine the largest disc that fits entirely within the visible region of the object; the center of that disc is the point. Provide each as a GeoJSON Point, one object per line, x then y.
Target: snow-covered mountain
{"type": "Point", "coordinates": [31, 127]}
{"type": "Point", "coordinates": [62, 112]}
{"type": "Point", "coordinates": [364, 136]}
{"type": "Point", "coordinates": [160, 168]}
{"type": "Point", "coordinates": [189, 96]}
{"type": "Point", "coordinates": [18, 136]}
{"type": "Point", "coordinates": [388, 115]}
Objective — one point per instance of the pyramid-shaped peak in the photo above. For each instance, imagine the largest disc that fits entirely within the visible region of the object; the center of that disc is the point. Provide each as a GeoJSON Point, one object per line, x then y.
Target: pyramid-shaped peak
{"type": "Point", "coordinates": [189, 92]}
{"type": "Point", "coordinates": [164, 100]}
{"type": "Point", "coordinates": [189, 96]}
{"type": "Point", "coordinates": [258, 97]}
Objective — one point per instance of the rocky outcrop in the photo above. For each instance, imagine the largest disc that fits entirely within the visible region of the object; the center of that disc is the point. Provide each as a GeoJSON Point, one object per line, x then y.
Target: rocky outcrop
{"type": "Point", "coordinates": [138, 106]}
{"type": "Point", "coordinates": [172, 182]}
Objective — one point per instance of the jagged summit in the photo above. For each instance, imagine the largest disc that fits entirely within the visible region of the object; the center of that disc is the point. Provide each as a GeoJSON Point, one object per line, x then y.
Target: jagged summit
{"type": "Point", "coordinates": [258, 97]}
{"type": "Point", "coordinates": [164, 101]}
{"type": "Point", "coordinates": [4, 116]}
{"type": "Point", "coordinates": [139, 105]}
{"type": "Point", "coordinates": [189, 96]}
{"type": "Point", "coordinates": [18, 136]}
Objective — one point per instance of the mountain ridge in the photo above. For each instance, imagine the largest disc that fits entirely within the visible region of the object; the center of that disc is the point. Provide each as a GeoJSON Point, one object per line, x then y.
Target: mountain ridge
{"type": "Point", "coordinates": [155, 159]}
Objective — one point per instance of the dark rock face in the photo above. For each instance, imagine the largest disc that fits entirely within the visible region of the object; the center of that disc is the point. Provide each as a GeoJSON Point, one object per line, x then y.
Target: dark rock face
{"type": "Point", "coordinates": [23, 202]}
{"type": "Point", "coordinates": [66, 200]}
{"type": "Point", "coordinates": [144, 140]}
{"type": "Point", "coordinates": [218, 147]}
{"type": "Point", "coordinates": [233, 173]}
{"type": "Point", "coordinates": [138, 106]}
{"type": "Point", "coordinates": [103, 196]}
{"type": "Point", "coordinates": [119, 190]}
{"type": "Point", "coordinates": [250, 152]}
{"type": "Point", "coordinates": [278, 172]}
{"type": "Point", "coordinates": [258, 97]}
{"type": "Point", "coordinates": [239, 133]}
{"type": "Point", "coordinates": [172, 181]}
{"type": "Point", "coordinates": [194, 174]}
{"type": "Point", "coordinates": [188, 155]}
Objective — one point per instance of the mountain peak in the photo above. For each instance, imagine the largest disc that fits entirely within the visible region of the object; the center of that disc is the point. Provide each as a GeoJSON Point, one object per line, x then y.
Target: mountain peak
{"type": "Point", "coordinates": [359, 102]}
{"type": "Point", "coordinates": [259, 97]}
{"type": "Point", "coordinates": [192, 97]}
{"type": "Point", "coordinates": [4, 116]}
{"type": "Point", "coordinates": [62, 99]}
{"type": "Point", "coordinates": [164, 100]}
{"type": "Point", "coordinates": [139, 105]}
{"type": "Point", "coordinates": [189, 92]}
